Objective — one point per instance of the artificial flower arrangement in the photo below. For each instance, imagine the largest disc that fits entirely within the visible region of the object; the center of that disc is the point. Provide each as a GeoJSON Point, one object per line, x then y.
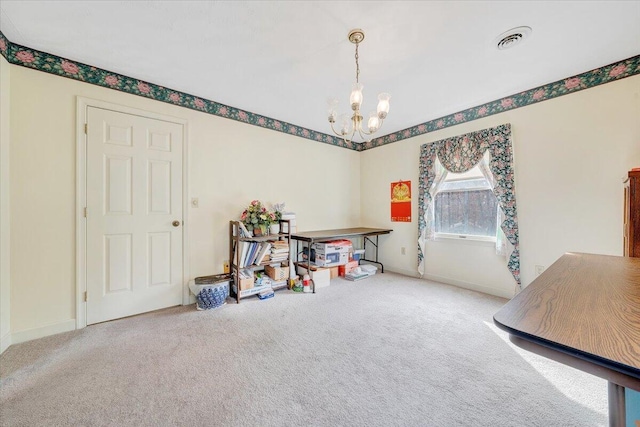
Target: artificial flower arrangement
{"type": "Point", "coordinates": [257, 218]}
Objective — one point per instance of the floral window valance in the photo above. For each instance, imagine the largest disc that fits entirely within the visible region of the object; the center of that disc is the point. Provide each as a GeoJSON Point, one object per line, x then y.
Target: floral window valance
{"type": "Point", "coordinates": [459, 154]}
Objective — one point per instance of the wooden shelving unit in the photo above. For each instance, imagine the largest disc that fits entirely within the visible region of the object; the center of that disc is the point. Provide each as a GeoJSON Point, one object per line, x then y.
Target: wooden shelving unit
{"type": "Point", "coordinates": [234, 256]}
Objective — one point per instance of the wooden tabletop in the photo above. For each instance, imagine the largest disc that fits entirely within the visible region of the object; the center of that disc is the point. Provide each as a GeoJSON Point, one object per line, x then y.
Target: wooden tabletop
{"type": "Point", "coordinates": [339, 233]}
{"type": "Point", "coordinates": [587, 306]}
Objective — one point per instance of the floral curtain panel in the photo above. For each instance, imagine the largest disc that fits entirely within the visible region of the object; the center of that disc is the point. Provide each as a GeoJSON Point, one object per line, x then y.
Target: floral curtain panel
{"type": "Point", "coordinates": [503, 246]}
{"type": "Point", "coordinates": [459, 154]}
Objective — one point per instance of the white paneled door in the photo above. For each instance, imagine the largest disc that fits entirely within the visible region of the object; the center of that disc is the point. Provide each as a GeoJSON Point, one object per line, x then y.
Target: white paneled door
{"type": "Point", "coordinates": [134, 214]}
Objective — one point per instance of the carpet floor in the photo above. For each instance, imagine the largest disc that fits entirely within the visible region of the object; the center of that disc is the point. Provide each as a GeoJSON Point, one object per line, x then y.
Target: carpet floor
{"type": "Point", "coordinates": [390, 350]}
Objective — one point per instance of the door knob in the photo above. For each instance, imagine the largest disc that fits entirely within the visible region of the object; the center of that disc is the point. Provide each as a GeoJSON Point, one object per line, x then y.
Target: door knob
{"type": "Point", "coordinates": [176, 223]}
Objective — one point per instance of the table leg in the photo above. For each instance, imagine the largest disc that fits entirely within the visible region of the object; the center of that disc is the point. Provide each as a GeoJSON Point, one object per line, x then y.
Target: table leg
{"type": "Point", "coordinates": [617, 411]}
{"type": "Point", "coordinates": [313, 283]}
{"type": "Point", "coordinates": [364, 244]}
{"type": "Point", "coordinates": [297, 260]}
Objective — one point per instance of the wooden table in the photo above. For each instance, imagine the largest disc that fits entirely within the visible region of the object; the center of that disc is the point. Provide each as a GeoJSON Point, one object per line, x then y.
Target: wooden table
{"type": "Point", "coordinates": [584, 311]}
{"type": "Point", "coordinates": [366, 233]}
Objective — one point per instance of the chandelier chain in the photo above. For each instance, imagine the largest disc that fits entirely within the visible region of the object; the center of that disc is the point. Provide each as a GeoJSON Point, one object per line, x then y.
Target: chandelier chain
{"type": "Point", "coordinates": [357, 64]}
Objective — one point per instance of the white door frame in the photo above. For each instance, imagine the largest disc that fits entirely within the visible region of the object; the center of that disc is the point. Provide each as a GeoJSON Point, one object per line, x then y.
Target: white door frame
{"type": "Point", "coordinates": [81, 197]}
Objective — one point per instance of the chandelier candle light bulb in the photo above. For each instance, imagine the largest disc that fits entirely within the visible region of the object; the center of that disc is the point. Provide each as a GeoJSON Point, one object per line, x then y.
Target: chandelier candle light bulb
{"type": "Point", "coordinates": [333, 106]}
{"type": "Point", "coordinates": [345, 121]}
{"type": "Point", "coordinates": [374, 122]}
{"type": "Point", "coordinates": [383, 105]}
{"type": "Point", "coordinates": [356, 96]}
{"type": "Point", "coordinates": [350, 125]}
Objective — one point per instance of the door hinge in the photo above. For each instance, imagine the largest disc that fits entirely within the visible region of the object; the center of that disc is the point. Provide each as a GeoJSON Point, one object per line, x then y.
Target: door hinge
{"type": "Point", "coordinates": [85, 212]}
{"type": "Point", "coordinates": [86, 127]}
{"type": "Point", "coordinates": [85, 296]}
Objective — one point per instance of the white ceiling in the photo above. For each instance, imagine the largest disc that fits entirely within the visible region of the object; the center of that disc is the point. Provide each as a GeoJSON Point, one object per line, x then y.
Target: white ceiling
{"type": "Point", "coordinates": [284, 59]}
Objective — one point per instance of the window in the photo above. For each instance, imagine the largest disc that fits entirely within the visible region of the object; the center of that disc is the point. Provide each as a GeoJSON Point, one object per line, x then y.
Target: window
{"type": "Point", "coordinates": [458, 153]}
{"type": "Point", "coordinates": [465, 207]}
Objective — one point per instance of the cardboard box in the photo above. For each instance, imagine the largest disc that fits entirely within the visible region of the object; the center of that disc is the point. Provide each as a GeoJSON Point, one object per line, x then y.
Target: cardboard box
{"type": "Point", "coordinates": [331, 259]}
{"type": "Point", "coordinates": [245, 281]}
{"type": "Point", "coordinates": [334, 272]}
{"type": "Point", "coordinates": [251, 291]}
{"type": "Point", "coordinates": [347, 268]}
{"type": "Point", "coordinates": [277, 273]}
{"type": "Point", "coordinates": [358, 254]}
{"type": "Point", "coordinates": [333, 246]}
{"type": "Point", "coordinates": [329, 254]}
{"type": "Point", "coordinates": [321, 276]}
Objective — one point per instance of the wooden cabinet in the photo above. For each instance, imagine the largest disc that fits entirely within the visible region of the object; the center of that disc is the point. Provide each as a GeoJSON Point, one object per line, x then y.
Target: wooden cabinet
{"type": "Point", "coordinates": [631, 237]}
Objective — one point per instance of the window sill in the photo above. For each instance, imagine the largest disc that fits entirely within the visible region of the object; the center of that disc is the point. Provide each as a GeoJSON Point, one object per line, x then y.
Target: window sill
{"type": "Point", "coordinates": [474, 240]}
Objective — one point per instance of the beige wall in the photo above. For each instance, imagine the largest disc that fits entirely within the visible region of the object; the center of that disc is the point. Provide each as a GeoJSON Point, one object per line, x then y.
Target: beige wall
{"type": "Point", "coordinates": [5, 291]}
{"type": "Point", "coordinates": [571, 155]}
{"type": "Point", "coordinates": [230, 164]}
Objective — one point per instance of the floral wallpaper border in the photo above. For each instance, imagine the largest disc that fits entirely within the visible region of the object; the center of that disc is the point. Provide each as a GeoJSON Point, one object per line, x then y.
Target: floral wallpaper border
{"type": "Point", "coordinates": [42, 61]}
{"type": "Point", "coordinates": [589, 79]}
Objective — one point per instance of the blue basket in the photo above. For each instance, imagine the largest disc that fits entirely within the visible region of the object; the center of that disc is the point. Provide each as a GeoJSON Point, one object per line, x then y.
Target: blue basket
{"type": "Point", "coordinates": [210, 291]}
{"type": "Point", "coordinates": [212, 296]}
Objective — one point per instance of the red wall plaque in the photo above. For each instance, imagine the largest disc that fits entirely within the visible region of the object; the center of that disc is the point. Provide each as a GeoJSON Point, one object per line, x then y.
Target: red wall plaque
{"type": "Point", "coordinates": [401, 201]}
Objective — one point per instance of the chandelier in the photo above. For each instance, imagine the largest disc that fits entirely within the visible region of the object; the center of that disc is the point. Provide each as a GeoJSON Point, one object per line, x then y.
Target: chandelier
{"type": "Point", "coordinates": [349, 126]}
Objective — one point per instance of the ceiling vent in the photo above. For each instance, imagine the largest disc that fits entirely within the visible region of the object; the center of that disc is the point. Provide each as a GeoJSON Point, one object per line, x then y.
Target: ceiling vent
{"type": "Point", "coordinates": [512, 38]}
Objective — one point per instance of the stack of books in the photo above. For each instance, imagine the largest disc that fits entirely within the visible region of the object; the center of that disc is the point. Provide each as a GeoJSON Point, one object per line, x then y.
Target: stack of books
{"type": "Point", "coordinates": [264, 253]}
{"type": "Point", "coordinates": [266, 293]}
{"type": "Point", "coordinates": [253, 253]}
{"type": "Point", "coordinates": [279, 251]}
{"type": "Point", "coordinates": [354, 277]}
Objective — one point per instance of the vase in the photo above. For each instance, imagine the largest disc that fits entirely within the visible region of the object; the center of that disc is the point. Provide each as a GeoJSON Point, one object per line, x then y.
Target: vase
{"type": "Point", "coordinates": [274, 228]}
{"type": "Point", "coordinates": [260, 230]}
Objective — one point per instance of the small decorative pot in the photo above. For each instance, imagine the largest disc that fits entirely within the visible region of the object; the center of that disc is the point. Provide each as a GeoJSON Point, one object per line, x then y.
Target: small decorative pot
{"type": "Point", "coordinates": [260, 230]}
{"type": "Point", "coordinates": [274, 228]}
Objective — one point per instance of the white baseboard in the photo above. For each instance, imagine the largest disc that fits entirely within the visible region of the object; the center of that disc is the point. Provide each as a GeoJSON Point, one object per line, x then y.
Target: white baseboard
{"type": "Point", "coordinates": [43, 331]}
{"type": "Point", "coordinates": [471, 286]}
{"type": "Point", "coordinates": [5, 342]}
{"type": "Point", "coordinates": [402, 271]}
